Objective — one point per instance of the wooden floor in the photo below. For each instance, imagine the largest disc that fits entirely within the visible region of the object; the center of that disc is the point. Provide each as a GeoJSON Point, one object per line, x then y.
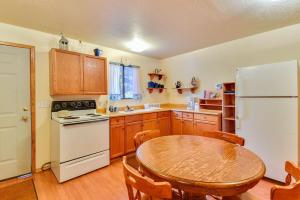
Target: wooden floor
{"type": "Point", "coordinates": [103, 184]}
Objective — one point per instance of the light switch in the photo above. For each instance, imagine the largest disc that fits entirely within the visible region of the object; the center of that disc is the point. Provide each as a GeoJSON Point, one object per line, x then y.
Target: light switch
{"type": "Point", "coordinates": [43, 104]}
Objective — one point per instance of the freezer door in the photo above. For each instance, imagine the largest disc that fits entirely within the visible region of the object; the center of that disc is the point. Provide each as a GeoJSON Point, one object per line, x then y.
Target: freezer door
{"type": "Point", "coordinates": [278, 79]}
{"type": "Point", "coordinates": [270, 129]}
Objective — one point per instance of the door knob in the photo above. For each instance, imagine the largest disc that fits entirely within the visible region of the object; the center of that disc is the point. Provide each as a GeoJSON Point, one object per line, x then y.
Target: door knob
{"type": "Point", "coordinates": [25, 109]}
{"type": "Point", "coordinates": [25, 118]}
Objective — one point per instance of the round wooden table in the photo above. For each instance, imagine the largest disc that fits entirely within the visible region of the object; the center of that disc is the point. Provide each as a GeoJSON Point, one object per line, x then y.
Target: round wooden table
{"type": "Point", "coordinates": [201, 165]}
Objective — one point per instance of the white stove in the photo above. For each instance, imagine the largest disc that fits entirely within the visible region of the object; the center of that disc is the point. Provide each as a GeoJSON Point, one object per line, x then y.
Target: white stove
{"type": "Point", "coordinates": [80, 141]}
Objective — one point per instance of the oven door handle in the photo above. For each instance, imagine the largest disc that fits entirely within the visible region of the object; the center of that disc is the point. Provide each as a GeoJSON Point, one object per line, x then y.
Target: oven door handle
{"type": "Point", "coordinates": [83, 122]}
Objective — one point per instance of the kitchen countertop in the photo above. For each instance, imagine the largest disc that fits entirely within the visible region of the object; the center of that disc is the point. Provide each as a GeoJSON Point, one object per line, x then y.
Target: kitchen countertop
{"type": "Point", "coordinates": [142, 111]}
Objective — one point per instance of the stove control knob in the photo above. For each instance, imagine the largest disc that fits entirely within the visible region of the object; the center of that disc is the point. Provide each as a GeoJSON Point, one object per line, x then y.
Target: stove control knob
{"type": "Point", "coordinates": [73, 104]}
{"type": "Point", "coordinates": [87, 104]}
{"type": "Point", "coordinates": [64, 105]}
{"type": "Point", "coordinates": [57, 107]}
{"type": "Point", "coordinates": [79, 104]}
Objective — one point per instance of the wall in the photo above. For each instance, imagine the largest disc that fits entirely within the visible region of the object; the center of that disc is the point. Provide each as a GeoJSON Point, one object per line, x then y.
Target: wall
{"type": "Point", "coordinates": [43, 43]}
{"type": "Point", "coordinates": [218, 63]}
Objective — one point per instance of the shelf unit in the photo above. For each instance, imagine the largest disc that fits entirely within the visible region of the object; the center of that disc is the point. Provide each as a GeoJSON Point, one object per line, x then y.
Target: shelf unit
{"type": "Point", "coordinates": [160, 90]}
{"type": "Point", "coordinates": [211, 104]}
{"type": "Point", "coordinates": [159, 77]}
{"type": "Point", "coordinates": [153, 75]}
{"type": "Point", "coordinates": [228, 108]}
{"type": "Point", "coordinates": [180, 90]}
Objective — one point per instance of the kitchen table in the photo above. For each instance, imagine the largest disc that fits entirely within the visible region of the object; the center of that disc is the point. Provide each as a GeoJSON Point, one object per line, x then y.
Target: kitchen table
{"type": "Point", "coordinates": [201, 165]}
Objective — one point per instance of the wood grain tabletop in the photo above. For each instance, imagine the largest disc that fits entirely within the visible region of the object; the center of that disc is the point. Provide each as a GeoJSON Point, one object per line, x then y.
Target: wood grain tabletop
{"type": "Point", "coordinates": [200, 164]}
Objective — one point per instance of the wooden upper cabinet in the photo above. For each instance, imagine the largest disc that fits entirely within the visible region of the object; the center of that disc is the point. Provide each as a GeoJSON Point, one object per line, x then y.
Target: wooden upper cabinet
{"type": "Point", "coordinates": [94, 75]}
{"type": "Point", "coordinates": [66, 74]}
{"type": "Point", "coordinates": [74, 73]}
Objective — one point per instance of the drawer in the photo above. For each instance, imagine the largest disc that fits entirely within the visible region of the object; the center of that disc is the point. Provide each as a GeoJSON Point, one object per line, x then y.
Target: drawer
{"type": "Point", "coordinates": [187, 115]}
{"type": "Point", "coordinates": [116, 120]}
{"type": "Point", "coordinates": [133, 118]}
{"type": "Point", "coordinates": [207, 118]}
{"type": "Point", "coordinates": [176, 114]}
{"type": "Point", "coordinates": [163, 114]}
{"type": "Point", "coordinates": [149, 116]}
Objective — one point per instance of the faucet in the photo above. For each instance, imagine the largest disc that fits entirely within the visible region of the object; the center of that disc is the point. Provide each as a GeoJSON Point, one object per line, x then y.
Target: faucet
{"type": "Point", "coordinates": [128, 108]}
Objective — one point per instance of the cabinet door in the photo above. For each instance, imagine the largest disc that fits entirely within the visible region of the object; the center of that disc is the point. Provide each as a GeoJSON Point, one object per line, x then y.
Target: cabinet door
{"type": "Point", "coordinates": [176, 126]}
{"type": "Point", "coordinates": [164, 126]}
{"type": "Point", "coordinates": [94, 75]}
{"type": "Point", "coordinates": [117, 137]}
{"type": "Point", "coordinates": [131, 130]}
{"type": "Point", "coordinates": [187, 127]}
{"type": "Point", "coordinates": [65, 73]}
{"type": "Point", "coordinates": [150, 125]}
{"type": "Point", "coordinates": [200, 127]}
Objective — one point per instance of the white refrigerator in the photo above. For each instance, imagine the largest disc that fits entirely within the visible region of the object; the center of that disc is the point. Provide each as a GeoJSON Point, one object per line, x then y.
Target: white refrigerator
{"type": "Point", "coordinates": [267, 113]}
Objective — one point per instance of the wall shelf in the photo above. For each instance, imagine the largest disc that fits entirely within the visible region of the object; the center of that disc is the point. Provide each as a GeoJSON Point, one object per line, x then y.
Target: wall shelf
{"type": "Point", "coordinates": [210, 104]}
{"type": "Point", "coordinates": [153, 75]}
{"type": "Point", "coordinates": [180, 90]}
{"type": "Point", "coordinates": [160, 90]}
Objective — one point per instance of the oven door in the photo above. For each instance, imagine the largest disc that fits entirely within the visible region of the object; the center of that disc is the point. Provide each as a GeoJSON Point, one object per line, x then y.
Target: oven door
{"type": "Point", "coordinates": [83, 139]}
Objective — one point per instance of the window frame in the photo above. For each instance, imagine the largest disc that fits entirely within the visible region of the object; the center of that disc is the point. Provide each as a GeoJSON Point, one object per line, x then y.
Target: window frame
{"type": "Point", "coordinates": [123, 97]}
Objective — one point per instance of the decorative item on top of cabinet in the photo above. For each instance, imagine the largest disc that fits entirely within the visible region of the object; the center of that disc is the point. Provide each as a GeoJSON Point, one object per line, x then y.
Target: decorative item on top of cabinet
{"type": "Point", "coordinates": [63, 43]}
{"type": "Point", "coordinates": [228, 108]}
{"type": "Point", "coordinates": [73, 73]}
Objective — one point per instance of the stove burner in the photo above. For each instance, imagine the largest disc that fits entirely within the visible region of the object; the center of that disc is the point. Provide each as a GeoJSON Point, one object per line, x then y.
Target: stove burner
{"type": "Point", "coordinates": [71, 117]}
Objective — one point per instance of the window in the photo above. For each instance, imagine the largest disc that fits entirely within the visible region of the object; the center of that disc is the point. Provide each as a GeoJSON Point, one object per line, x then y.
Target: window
{"type": "Point", "coordinates": [124, 82]}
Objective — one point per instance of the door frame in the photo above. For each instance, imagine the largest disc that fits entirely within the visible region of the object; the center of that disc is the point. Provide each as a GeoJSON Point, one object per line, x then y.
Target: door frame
{"type": "Point", "coordinates": [32, 98]}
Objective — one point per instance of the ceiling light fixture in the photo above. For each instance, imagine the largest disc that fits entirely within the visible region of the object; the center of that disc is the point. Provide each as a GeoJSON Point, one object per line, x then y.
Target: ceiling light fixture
{"type": "Point", "coordinates": [137, 45]}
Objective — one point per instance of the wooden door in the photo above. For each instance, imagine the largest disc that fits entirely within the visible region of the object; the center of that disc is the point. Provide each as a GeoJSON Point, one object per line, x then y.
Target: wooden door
{"type": "Point", "coordinates": [187, 127]}
{"type": "Point", "coordinates": [94, 75]}
{"type": "Point", "coordinates": [15, 116]}
{"type": "Point", "coordinates": [66, 74]}
{"type": "Point", "coordinates": [130, 131]}
{"type": "Point", "coordinates": [164, 126]}
{"type": "Point", "coordinates": [117, 140]}
{"type": "Point", "coordinates": [202, 126]}
{"type": "Point", "coordinates": [176, 126]}
{"type": "Point", "coordinates": [150, 125]}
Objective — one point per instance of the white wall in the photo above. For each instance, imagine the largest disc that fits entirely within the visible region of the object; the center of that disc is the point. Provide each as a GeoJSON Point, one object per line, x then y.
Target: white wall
{"type": "Point", "coordinates": [218, 63]}
{"type": "Point", "coordinates": [211, 65]}
{"type": "Point", "coordinates": [43, 42]}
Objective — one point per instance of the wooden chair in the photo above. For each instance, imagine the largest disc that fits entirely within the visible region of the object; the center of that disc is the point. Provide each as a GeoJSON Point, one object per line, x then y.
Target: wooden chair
{"type": "Point", "coordinates": [229, 137]}
{"type": "Point", "coordinates": [143, 136]}
{"type": "Point", "coordinates": [139, 139]}
{"type": "Point", "coordinates": [291, 191]}
{"type": "Point", "coordinates": [143, 188]}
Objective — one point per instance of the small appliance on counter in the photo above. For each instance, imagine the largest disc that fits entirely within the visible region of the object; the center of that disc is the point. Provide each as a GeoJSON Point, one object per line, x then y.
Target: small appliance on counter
{"type": "Point", "coordinates": [79, 139]}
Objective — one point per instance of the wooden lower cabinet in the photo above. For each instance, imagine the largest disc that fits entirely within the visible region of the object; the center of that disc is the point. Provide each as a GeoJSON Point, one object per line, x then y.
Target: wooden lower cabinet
{"type": "Point", "coordinates": [130, 130]}
{"type": "Point", "coordinates": [164, 126]}
{"type": "Point", "coordinates": [200, 127]}
{"type": "Point", "coordinates": [176, 126]}
{"type": "Point", "coordinates": [187, 127]}
{"type": "Point", "coordinates": [117, 146]}
{"type": "Point", "coordinates": [150, 125]}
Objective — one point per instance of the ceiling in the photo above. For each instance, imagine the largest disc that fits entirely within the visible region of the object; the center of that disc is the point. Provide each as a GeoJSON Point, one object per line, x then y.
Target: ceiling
{"type": "Point", "coordinates": [170, 27]}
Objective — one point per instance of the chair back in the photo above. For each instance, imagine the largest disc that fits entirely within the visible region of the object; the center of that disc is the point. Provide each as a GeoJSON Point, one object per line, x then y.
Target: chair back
{"type": "Point", "coordinates": [138, 185]}
{"type": "Point", "coordinates": [292, 190]}
{"type": "Point", "coordinates": [229, 137]}
{"type": "Point", "coordinates": [144, 136]}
